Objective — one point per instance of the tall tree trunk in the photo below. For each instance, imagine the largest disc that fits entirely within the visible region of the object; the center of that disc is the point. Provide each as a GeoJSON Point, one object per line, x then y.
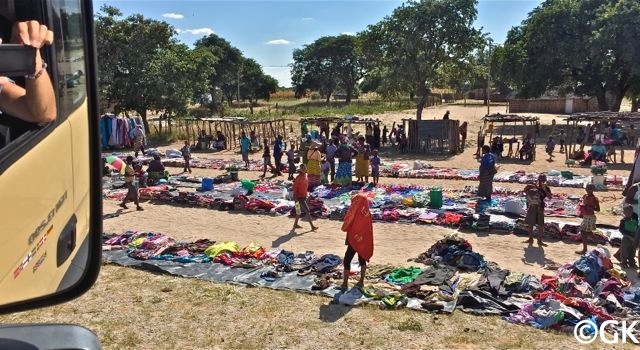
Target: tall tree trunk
{"type": "Point", "coordinates": [422, 92]}
{"type": "Point", "coordinates": [602, 102]}
{"type": "Point", "coordinates": [616, 103]}
{"type": "Point", "coordinates": [143, 115]}
{"type": "Point", "coordinates": [635, 104]}
{"type": "Point", "coordinates": [349, 93]}
{"type": "Point", "coordinates": [328, 97]}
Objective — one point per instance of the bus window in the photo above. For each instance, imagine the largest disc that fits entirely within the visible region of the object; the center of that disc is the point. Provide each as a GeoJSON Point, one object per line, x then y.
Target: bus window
{"type": "Point", "coordinates": [69, 49]}
{"type": "Point", "coordinates": [13, 129]}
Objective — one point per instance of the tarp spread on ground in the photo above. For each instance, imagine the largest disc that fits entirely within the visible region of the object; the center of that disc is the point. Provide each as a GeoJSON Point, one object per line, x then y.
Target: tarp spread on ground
{"type": "Point", "coordinates": [416, 170]}
{"type": "Point", "coordinates": [450, 275]}
{"type": "Point", "coordinates": [389, 203]}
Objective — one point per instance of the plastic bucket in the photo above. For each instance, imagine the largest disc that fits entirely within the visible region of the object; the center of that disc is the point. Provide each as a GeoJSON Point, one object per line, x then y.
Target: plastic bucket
{"type": "Point", "coordinates": [207, 183]}
{"type": "Point", "coordinates": [435, 198]}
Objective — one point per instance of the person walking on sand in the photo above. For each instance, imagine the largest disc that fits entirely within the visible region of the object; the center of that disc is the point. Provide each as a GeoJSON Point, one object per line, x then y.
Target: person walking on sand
{"type": "Point", "coordinates": [589, 206]}
{"type": "Point", "coordinates": [186, 155]}
{"type": "Point", "coordinates": [551, 145]}
{"type": "Point", "coordinates": [359, 228]}
{"type": "Point", "coordinates": [132, 191]}
{"type": "Point", "coordinates": [266, 160]}
{"type": "Point", "coordinates": [300, 192]}
{"type": "Point", "coordinates": [535, 207]}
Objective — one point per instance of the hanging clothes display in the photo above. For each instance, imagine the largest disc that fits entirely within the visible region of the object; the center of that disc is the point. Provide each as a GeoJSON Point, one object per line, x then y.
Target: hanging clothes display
{"type": "Point", "coordinates": [115, 131]}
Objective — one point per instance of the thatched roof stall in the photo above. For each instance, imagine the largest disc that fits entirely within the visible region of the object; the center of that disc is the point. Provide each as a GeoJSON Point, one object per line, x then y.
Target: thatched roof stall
{"type": "Point", "coordinates": [580, 120]}
{"type": "Point", "coordinates": [511, 126]}
{"type": "Point", "coordinates": [492, 121]}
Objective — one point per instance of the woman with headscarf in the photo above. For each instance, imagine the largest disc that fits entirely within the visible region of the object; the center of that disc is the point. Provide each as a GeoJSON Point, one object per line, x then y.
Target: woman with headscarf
{"type": "Point", "coordinates": [359, 228]}
{"type": "Point", "coordinates": [362, 160]}
{"type": "Point", "coordinates": [344, 155]}
{"type": "Point", "coordinates": [487, 171]}
{"type": "Point", "coordinates": [313, 166]}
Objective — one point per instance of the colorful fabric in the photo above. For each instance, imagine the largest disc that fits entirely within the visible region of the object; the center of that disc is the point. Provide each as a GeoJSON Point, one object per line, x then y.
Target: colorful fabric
{"type": "Point", "coordinates": [403, 275]}
{"type": "Point", "coordinates": [362, 165]}
{"type": "Point", "coordinates": [221, 247]}
{"type": "Point", "coordinates": [343, 174]}
{"type": "Point", "coordinates": [358, 225]}
{"type": "Point", "coordinates": [588, 223]}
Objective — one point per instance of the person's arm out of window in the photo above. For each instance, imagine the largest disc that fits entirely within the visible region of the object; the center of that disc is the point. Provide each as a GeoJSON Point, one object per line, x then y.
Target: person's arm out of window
{"type": "Point", "coordinates": [36, 102]}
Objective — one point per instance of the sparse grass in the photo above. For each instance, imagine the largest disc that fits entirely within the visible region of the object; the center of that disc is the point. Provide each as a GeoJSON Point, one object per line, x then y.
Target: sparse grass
{"type": "Point", "coordinates": [235, 317]}
{"type": "Point", "coordinates": [409, 324]}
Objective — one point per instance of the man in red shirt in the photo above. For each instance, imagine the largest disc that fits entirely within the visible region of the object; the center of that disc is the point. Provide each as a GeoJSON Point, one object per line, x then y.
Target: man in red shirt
{"type": "Point", "coordinates": [300, 191]}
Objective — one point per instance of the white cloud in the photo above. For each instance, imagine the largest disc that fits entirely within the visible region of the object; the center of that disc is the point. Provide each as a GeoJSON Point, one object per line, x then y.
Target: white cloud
{"type": "Point", "coordinates": [348, 33]}
{"type": "Point", "coordinates": [307, 18]}
{"type": "Point", "coordinates": [278, 42]}
{"type": "Point", "coordinates": [197, 31]}
{"type": "Point", "coordinates": [172, 15]}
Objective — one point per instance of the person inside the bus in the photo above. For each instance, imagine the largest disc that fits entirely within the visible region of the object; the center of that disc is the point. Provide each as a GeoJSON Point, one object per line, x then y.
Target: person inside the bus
{"type": "Point", "coordinates": [35, 102]}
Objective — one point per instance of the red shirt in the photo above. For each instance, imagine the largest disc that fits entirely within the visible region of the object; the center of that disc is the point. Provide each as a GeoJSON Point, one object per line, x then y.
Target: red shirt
{"type": "Point", "coordinates": [590, 205]}
{"type": "Point", "coordinates": [300, 186]}
{"type": "Point", "coordinates": [359, 226]}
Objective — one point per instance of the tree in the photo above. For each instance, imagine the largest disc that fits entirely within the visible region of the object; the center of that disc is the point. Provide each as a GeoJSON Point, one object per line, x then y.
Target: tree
{"type": "Point", "coordinates": [328, 63]}
{"type": "Point", "coordinates": [224, 81]}
{"type": "Point", "coordinates": [581, 47]}
{"type": "Point", "coordinates": [254, 83]}
{"type": "Point", "coordinates": [179, 74]}
{"type": "Point", "coordinates": [125, 49]}
{"type": "Point", "coordinates": [412, 44]}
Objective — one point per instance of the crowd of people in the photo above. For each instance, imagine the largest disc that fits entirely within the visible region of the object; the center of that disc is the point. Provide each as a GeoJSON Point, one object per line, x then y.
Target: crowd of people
{"type": "Point", "coordinates": [604, 137]}
{"type": "Point", "coordinates": [326, 157]}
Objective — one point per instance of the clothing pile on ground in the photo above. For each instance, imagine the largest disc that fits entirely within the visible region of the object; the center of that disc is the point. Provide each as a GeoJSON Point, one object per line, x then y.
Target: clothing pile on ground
{"type": "Point", "coordinates": [389, 203]}
{"type": "Point", "coordinates": [554, 178]}
{"type": "Point", "coordinates": [453, 276]}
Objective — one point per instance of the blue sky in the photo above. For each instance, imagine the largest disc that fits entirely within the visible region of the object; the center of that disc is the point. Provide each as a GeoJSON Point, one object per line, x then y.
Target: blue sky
{"type": "Point", "coordinates": [269, 30]}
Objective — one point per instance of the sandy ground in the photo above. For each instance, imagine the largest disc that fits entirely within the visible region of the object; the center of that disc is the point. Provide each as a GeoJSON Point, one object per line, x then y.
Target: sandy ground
{"type": "Point", "coordinates": [394, 243]}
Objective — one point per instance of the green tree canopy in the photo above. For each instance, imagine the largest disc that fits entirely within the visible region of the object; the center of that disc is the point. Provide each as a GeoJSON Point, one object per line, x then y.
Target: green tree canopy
{"type": "Point", "coordinates": [125, 49]}
{"type": "Point", "coordinates": [329, 63]}
{"type": "Point", "coordinates": [583, 47]}
{"type": "Point", "coordinates": [409, 48]}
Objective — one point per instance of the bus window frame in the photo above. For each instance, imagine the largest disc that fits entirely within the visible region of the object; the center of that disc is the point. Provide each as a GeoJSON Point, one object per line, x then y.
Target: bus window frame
{"type": "Point", "coordinates": [94, 258]}
{"type": "Point", "coordinates": [17, 148]}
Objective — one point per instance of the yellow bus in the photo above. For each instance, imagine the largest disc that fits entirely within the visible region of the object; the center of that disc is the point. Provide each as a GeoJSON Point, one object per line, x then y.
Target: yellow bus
{"type": "Point", "coordinates": [50, 174]}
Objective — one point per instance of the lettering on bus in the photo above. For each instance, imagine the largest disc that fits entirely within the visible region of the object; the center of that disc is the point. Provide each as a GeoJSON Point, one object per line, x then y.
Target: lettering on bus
{"type": "Point", "coordinates": [47, 220]}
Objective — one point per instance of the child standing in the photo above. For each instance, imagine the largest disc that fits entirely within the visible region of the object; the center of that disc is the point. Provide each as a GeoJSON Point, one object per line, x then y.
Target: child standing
{"type": "Point", "coordinates": [589, 205]}
{"type": "Point", "coordinates": [300, 192]}
{"type": "Point", "coordinates": [266, 159]}
{"type": "Point", "coordinates": [375, 166]}
{"type": "Point", "coordinates": [186, 154]}
{"type": "Point", "coordinates": [292, 163]}
{"type": "Point", "coordinates": [628, 228]}
{"type": "Point", "coordinates": [325, 168]}
{"type": "Point", "coordinates": [561, 139]}
{"type": "Point", "coordinates": [536, 195]}
{"type": "Point", "coordinates": [551, 144]}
